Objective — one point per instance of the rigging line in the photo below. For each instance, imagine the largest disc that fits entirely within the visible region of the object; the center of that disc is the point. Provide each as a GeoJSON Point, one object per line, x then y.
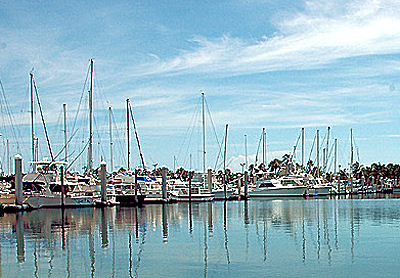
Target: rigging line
{"type": "Point", "coordinates": [219, 153]}
{"type": "Point", "coordinates": [43, 121]}
{"type": "Point", "coordinates": [212, 122]}
{"type": "Point", "coordinates": [197, 114]}
{"type": "Point", "coordinates": [63, 148]}
{"type": "Point", "coordinates": [137, 136]}
{"type": "Point", "coordinates": [295, 146]}
{"type": "Point", "coordinates": [83, 149]}
{"type": "Point", "coordinates": [118, 133]}
{"type": "Point", "coordinates": [7, 108]}
{"type": "Point", "coordinates": [191, 124]}
{"type": "Point", "coordinates": [330, 158]}
{"type": "Point", "coordinates": [312, 148]}
{"type": "Point", "coordinates": [80, 101]}
{"type": "Point", "coordinates": [258, 150]}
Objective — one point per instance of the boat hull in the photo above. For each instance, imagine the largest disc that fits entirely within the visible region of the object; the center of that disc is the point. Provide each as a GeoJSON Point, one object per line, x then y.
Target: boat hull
{"type": "Point", "coordinates": [55, 201]}
{"type": "Point", "coordinates": [130, 199]}
{"type": "Point", "coordinates": [298, 191]}
{"type": "Point", "coordinates": [320, 191]}
{"type": "Point", "coordinates": [194, 198]}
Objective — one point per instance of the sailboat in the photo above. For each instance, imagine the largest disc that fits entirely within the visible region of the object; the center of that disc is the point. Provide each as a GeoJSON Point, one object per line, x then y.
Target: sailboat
{"type": "Point", "coordinates": [48, 198]}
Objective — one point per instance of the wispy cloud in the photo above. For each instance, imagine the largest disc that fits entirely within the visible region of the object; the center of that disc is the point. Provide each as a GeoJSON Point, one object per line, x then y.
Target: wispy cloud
{"type": "Point", "coordinates": [324, 33]}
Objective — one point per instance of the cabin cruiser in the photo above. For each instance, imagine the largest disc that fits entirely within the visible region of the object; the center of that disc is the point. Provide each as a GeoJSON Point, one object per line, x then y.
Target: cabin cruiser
{"type": "Point", "coordinates": [47, 198]}
{"type": "Point", "coordinates": [278, 188]}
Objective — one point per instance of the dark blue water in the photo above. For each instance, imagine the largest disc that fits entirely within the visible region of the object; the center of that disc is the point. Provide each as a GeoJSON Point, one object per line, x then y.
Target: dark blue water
{"type": "Point", "coordinates": [257, 238]}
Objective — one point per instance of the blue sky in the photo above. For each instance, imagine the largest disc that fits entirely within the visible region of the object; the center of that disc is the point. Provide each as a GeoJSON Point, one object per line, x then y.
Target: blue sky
{"type": "Point", "coordinates": [281, 65]}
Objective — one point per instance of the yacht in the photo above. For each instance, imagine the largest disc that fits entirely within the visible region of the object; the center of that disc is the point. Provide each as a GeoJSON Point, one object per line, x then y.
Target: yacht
{"type": "Point", "coordinates": [47, 198]}
{"type": "Point", "coordinates": [276, 188]}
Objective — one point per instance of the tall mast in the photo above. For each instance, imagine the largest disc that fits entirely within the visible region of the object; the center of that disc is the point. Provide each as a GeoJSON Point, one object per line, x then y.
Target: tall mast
{"type": "Point", "coordinates": [128, 133]}
{"type": "Point", "coordinates": [335, 161]}
{"type": "Point", "coordinates": [245, 153]}
{"type": "Point", "coordinates": [32, 125]}
{"type": "Point", "coordinates": [263, 147]}
{"type": "Point", "coordinates": [302, 146]}
{"type": "Point", "coordinates": [204, 135]}
{"type": "Point", "coordinates": [65, 133]}
{"type": "Point", "coordinates": [327, 148]}
{"type": "Point", "coordinates": [8, 157]}
{"type": "Point", "coordinates": [351, 160]}
{"type": "Point", "coordinates": [111, 139]}
{"type": "Point", "coordinates": [226, 140]}
{"type": "Point", "coordinates": [90, 152]}
{"type": "Point", "coordinates": [317, 153]}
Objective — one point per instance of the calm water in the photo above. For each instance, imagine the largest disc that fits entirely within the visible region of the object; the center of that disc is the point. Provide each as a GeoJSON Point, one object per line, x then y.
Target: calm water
{"type": "Point", "coordinates": [257, 238]}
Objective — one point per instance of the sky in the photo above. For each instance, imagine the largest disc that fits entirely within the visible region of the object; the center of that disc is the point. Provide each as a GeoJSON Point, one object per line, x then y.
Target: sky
{"type": "Point", "coordinates": [279, 65]}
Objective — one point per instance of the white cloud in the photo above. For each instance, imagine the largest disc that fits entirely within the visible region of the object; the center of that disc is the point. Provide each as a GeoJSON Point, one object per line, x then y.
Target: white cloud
{"type": "Point", "coordinates": [325, 32]}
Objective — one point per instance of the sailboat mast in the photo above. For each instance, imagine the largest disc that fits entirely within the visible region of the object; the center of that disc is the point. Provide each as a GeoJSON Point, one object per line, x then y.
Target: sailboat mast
{"type": "Point", "coordinates": [111, 138]}
{"type": "Point", "coordinates": [245, 152]}
{"type": "Point", "coordinates": [335, 161]}
{"type": "Point", "coordinates": [351, 160]}
{"type": "Point", "coordinates": [204, 135]}
{"type": "Point", "coordinates": [263, 147]}
{"type": "Point", "coordinates": [32, 125]}
{"type": "Point", "coordinates": [317, 153]}
{"type": "Point", "coordinates": [302, 146]}
{"type": "Point", "coordinates": [327, 148]}
{"type": "Point", "coordinates": [226, 140]}
{"type": "Point", "coordinates": [65, 133]}
{"type": "Point", "coordinates": [90, 152]}
{"type": "Point", "coordinates": [128, 133]}
{"type": "Point", "coordinates": [8, 158]}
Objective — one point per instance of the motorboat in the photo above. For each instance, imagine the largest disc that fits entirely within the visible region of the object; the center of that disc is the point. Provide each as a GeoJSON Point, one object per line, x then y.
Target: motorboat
{"type": "Point", "coordinates": [275, 188]}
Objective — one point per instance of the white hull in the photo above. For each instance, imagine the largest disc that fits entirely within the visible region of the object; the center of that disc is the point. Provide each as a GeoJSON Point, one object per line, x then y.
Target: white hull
{"type": "Point", "coordinates": [194, 198]}
{"type": "Point", "coordinates": [55, 201]}
{"type": "Point", "coordinates": [319, 191]}
{"type": "Point", "coordinates": [296, 191]}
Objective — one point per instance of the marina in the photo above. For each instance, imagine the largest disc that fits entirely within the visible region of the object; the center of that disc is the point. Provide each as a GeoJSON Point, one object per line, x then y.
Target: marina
{"type": "Point", "coordinates": [314, 237]}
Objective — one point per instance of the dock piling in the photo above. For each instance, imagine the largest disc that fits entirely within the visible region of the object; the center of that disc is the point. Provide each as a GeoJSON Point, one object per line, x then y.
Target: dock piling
{"type": "Point", "coordinates": [103, 179]}
{"type": "Point", "coordinates": [209, 180]}
{"type": "Point", "coordinates": [164, 184]}
{"type": "Point", "coordinates": [18, 180]}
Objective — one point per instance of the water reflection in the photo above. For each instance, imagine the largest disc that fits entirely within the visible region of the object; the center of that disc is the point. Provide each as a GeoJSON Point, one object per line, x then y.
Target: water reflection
{"type": "Point", "coordinates": [234, 238]}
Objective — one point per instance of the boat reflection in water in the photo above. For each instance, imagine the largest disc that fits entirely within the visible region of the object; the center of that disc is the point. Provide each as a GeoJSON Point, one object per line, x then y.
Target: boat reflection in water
{"type": "Point", "coordinates": [278, 237]}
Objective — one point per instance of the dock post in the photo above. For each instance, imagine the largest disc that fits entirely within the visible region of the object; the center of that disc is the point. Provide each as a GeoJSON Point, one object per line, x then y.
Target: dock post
{"type": "Point", "coordinates": [209, 180]}
{"type": "Point", "coordinates": [239, 186]}
{"type": "Point", "coordinates": [164, 184]}
{"type": "Point", "coordinates": [245, 184]}
{"type": "Point", "coordinates": [62, 186]}
{"type": "Point", "coordinates": [18, 180]}
{"type": "Point", "coordinates": [103, 180]}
